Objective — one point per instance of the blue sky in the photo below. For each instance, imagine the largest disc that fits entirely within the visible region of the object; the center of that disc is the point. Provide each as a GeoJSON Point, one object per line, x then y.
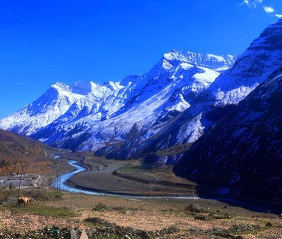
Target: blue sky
{"type": "Point", "coordinates": [46, 41]}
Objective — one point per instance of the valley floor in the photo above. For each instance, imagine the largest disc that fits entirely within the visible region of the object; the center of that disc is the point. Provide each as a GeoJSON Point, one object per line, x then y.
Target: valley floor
{"type": "Point", "coordinates": [129, 217]}
{"type": "Point", "coordinates": [130, 178]}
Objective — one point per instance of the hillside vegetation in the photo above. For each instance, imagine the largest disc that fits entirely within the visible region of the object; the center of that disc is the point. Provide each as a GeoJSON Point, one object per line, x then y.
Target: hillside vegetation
{"type": "Point", "coordinates": [19, 153]}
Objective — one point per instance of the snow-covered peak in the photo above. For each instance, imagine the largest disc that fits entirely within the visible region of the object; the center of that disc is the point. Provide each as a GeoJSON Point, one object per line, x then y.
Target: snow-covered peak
{"type": "Point", "coordinates": [261, 59]}
{"type": "Point", "coordinates": [270, 38]}
{"type": "Point", "coordinates": [114, 86]}
{"type": "Point", "coordinates": [60, 87]}
{"type": "Point", "coordinates": [83, 88]}
{"type": "Point", "coordinates": [171, 61]}
{"type": "Point", "coordinates": [79, 87]}
{"type": "Point", "coordinates": [211, 61]}
{"type": "Point", "coordinates": [41, 112]}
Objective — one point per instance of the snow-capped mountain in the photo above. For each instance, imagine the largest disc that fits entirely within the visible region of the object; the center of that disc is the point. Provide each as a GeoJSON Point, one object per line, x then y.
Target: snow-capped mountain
{"type": "Point", "coordinates": [176, 102]}
{"type": "Point", "coordinates": [243, 151]}
{"type": "Point", "coordinates": [262, 57]}
{"type": "Point", "coordinates": [43, 111]}
{"type": "Point", "coordinates": [87, 116]}
{"type": "Point", "coordinates": [210, 105]}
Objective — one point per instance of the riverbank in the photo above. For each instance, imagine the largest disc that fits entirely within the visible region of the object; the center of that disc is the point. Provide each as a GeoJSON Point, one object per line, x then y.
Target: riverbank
{"type": "Point", "coordinates": [129, 178]}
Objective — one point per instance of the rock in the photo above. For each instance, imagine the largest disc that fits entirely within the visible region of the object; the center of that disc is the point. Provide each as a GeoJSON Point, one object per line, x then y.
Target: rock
{"type": "Point", "coordinates": [83, 235]}
{"type": "Point", "coordinates": [203, 218]}
{"type": "Point", "coordinates": [11, 200]}
{"type": "Point", "coordinates": [73, 234]}
{"type": "Point", "coordinates": [210, 217]}
{"type": "Point", "coordinates": [18, 235]}
{"type": "Point", "coordinates": [146, 235]}
{"type": "Point", "coordinates": [194, 208]}
{"type": "Point", "coordinates": [92, 232]}
{"type": "Point", "coordinates": [244, 227]}
{"type": "Point", "coordinates": [172, 229]}
{"type": "Point", "coordinates": [268, 224]}
{"type": "Point", "coordinates": [65, 233]}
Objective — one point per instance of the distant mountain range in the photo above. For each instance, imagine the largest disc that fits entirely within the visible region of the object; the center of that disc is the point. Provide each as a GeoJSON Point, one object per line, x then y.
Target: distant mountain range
{"type": "Point", "coordinates": [88, 116]}
{"type": "Point", "coordinates": [226, 106]}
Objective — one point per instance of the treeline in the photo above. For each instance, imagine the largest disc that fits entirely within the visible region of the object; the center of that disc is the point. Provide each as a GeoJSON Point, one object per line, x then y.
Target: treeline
{"type": "Point", "coordinates": [26, 167]}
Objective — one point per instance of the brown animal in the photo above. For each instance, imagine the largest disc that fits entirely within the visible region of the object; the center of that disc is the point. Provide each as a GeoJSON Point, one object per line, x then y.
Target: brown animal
{"type": "Point", "coordinates": [23, 200]}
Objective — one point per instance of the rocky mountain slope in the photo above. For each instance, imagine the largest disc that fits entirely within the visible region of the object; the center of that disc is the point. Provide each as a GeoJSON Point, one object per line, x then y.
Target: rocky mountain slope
{"type": "Point", "coordinates": [243, 152]}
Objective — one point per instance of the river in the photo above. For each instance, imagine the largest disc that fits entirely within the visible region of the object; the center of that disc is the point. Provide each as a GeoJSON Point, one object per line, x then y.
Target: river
{"type": "Point", "coordinates": [61, 183]}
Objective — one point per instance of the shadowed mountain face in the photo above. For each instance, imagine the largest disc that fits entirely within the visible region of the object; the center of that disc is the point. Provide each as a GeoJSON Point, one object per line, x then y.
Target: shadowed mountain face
{"type": "Point", "coordinates": [243, 151]}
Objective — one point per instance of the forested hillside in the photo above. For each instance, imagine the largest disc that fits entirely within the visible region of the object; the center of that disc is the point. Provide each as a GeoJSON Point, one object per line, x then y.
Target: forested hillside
{"type": "Point", "coordinates": [21, 153]}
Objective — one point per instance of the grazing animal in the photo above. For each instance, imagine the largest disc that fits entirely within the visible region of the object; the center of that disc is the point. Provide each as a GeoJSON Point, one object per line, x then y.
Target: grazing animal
{"type": "Point", "coordinates": [23, 200]}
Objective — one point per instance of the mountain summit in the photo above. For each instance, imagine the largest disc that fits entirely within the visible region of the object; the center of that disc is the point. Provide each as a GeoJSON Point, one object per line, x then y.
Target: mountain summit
{"type": "Point", "coordinates": [251, 68]}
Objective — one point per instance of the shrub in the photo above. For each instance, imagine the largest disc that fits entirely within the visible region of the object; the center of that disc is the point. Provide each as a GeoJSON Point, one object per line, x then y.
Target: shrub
{"type": "Point", "coordinates": [100, 207]}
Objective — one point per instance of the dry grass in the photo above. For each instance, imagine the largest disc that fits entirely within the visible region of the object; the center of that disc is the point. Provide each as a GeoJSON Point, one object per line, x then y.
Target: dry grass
{"type": "Point", "coordinates": [156, 214]}
{"type": "Point", "coordinates": [141, 213]}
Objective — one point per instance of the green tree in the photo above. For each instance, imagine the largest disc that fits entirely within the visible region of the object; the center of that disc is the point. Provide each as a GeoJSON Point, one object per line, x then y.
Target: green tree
{"type": "Point", "coordinates": [11, 186]}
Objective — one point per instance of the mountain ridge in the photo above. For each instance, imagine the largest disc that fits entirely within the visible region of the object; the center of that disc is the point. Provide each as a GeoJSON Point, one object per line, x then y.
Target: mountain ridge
{"type": "Point", "coordinates": [167, 87]}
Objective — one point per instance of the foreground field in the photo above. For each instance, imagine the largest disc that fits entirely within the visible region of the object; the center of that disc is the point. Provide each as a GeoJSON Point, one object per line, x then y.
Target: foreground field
{"type": "Point", "coordinates": [56, 214]}
{"type": "Point", "coordinates": [121, 217]}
